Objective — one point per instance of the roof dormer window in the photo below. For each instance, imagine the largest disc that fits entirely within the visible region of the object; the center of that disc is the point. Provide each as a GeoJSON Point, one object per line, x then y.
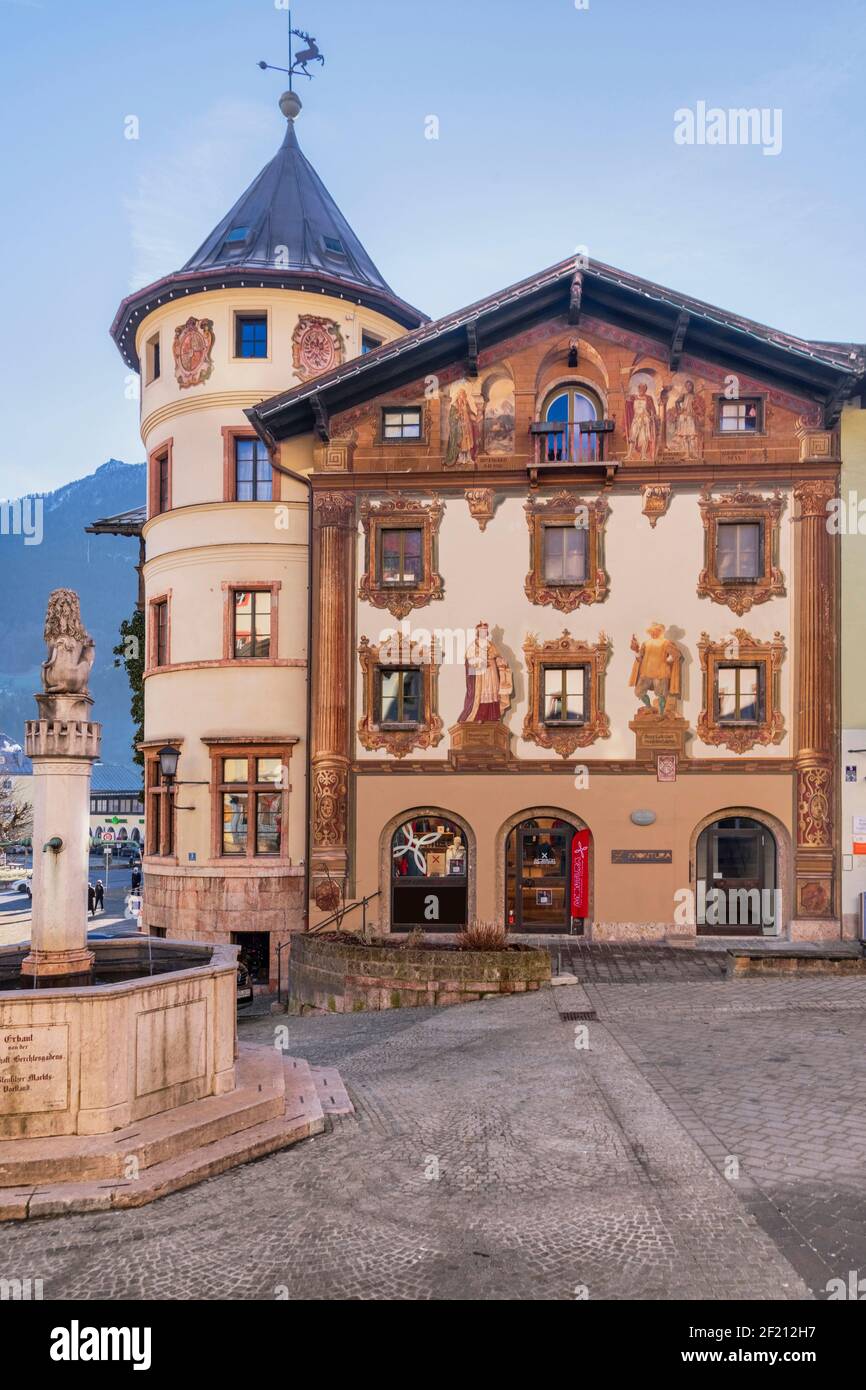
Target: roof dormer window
{"type": "Point", "coordinates": [237, 235]}
{"type": "Point", "coordinates": [333, 246]}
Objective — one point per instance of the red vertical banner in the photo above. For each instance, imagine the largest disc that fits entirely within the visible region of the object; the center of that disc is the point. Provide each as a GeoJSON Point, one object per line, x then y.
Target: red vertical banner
{"type": "Point", "coordinates": [580, 874]}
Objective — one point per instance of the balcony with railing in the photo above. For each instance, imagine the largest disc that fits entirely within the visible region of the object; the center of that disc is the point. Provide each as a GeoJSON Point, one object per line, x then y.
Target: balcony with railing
{"type": "Point", "coordinates": [560, 443]}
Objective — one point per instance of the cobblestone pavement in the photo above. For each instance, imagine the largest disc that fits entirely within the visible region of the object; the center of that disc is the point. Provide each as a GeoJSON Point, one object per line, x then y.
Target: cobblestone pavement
{"type": "Point", "coordinates": [492, 1158]}
{"type": "Point", "coordinates": [770, 1074]}
{"type": "Point", "coordinates": [625, 963]}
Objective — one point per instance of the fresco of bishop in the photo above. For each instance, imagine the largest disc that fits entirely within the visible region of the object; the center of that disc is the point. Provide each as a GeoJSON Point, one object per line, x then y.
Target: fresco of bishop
{"type": "Point", "coordinates": [488, 681]}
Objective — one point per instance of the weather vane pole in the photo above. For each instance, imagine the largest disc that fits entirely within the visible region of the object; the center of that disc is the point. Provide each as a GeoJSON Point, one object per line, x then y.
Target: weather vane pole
{"type": "Point", "coordinates": [298, 61]}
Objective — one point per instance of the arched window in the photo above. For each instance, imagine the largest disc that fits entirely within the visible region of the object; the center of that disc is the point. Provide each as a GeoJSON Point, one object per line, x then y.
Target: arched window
{"type": "Point", "coordinates": [571, 406]}
{"type": "Point", "coordinates": [429, 875]}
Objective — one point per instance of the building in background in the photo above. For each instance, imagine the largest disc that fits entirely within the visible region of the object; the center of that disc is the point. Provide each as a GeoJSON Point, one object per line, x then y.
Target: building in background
{"type": "Point", "coordinates": [116, 804]}
{"type": "Point", "coordinates": [280, 291]}
{"type": "Point", "coordinates": [563, 563]}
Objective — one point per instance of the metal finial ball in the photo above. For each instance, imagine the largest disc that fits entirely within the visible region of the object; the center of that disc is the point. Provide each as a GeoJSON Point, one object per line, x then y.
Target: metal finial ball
{"type": "Point", "coordinates": [290, 105]}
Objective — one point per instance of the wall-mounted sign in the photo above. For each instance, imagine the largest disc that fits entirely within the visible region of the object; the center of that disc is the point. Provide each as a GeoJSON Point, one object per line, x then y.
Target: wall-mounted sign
{"type": "Point", "coordinates": [858, 825]}
{"type": "Point", "coordinates": [642, 817]}
{"type": "Point", "coordinates": [666, 767]}
{"type": "Point", "coordinates": [641, 856]}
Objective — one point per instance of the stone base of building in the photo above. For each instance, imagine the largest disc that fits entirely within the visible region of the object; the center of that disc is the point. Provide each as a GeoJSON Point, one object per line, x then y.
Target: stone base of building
{"type": "Point", "coordinates": [815, 929]}
{"type": "Point", "coordinates": [225, 905]}
{"type": "Point", "coordinates": [649, 932]}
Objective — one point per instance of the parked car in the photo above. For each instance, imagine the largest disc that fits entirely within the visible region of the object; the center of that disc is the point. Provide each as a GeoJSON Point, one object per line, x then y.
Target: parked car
{"type": "Point", "coordinates": [23, 885]}
{"type": "Point", "coordinates": [245, 986]}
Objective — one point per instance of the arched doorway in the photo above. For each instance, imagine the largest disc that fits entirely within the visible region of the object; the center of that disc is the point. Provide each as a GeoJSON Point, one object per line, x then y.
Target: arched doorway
{"type": "Point", "coordinates": [429, 875]}
{"type": "Point", "coordinates": [547, 876]}
{"type": "Point", "coordinates": [736, 876]}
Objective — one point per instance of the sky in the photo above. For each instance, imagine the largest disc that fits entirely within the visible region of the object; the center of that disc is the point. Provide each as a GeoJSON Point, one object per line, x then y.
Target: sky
{"type": "Point", "coordinates": [556, 124]}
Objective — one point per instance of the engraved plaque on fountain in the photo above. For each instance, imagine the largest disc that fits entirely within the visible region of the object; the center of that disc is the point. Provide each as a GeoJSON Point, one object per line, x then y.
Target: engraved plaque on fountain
{"type": "Point", "coordinates": [34, 1068]}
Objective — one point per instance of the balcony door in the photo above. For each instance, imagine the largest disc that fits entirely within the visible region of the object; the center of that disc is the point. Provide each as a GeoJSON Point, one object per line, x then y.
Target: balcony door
{"type": "Point", "coordinates": [570, 406]}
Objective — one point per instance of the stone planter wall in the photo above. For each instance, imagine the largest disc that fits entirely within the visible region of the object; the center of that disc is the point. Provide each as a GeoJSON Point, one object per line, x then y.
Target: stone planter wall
{"type": "Point", "coordinates": [330, 977]}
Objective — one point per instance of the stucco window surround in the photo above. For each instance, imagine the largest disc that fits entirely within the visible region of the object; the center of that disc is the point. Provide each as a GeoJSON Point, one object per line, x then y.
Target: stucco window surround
{"type": "Point", "coordinates": [760, 399]}
{"type": "Point", "coordinates": [566, 653]}
{"type": "Point", "coordinates": [739, 650]}
{"type": "Point", "coordinates": [383, 902]}
{"type": "Point", "coordinates": [400, 512]}
{"type": "Point", "coordinates": [230, 587]}
{"type": "Point", "coordinates": [156, 504]}
{"type": "Point", "coordinates": [250, 750]}
{"type": "Point", "coordinates": [250, 311]}
{"type": "Point", "coordinates": [398, 740]}
{"type": "Point", "coordinates": [152, 662]}
{"type": "Point", "coordinates": [501, 851]}
{"type": "Point", "coordinates": [230, 434]}
{"type": "Point", "coordinates": [741, 507]}
{"type": "Point", "coordinates": [784, 853]}
{"type": "Point", "coordinates": [566, 509]}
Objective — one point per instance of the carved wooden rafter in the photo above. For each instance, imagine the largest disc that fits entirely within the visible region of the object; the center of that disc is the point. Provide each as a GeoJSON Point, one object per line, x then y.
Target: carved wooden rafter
{"type": "Point", "coordinates": [565, 651]}
{"type": "Point", "coordinates": [678, 338]}
{"type": "Point", "coordinates": [741, 506]}
{"type": "Point", "coordinates": [575, 298]}
{"type": "Point", "coordinates": [398, 741]}
{"type": "Point", "coordinates": [740, 648]}
{"type": "Point", "coordinates": [320, 415]}
{"type": "Point", "coordinates": [562, 509]}
{"type": "Point", "coordinates": [471, 348]}
{"type": "Point", "coordinates": [398, 511]}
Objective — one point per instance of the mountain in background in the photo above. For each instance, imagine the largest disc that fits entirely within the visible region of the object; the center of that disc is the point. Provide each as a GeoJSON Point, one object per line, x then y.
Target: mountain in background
{"type": "Point", "coordinates": [101, 569]}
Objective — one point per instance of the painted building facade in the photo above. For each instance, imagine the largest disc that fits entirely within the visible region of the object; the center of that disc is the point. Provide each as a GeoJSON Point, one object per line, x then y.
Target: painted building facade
{"type": "Point", "coordinates": [628, 490]}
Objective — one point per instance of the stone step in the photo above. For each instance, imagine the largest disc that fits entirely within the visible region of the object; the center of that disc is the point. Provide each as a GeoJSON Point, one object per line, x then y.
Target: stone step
{"type": "Point", "coordinates": [333, 1096]}
{"type": "Point", "coordinates": [259, 1096]}
{"type": "Point", "coordinates": [301, 1118]}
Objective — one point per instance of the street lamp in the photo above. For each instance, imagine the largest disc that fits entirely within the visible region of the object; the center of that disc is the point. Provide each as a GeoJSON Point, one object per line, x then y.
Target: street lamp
{"type": "Point", "coordinates": [168, 760]}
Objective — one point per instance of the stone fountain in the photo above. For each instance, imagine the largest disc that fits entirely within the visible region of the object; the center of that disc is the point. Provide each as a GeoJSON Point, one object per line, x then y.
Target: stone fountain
{"type": "Point", "coordinates": [121, 1078]}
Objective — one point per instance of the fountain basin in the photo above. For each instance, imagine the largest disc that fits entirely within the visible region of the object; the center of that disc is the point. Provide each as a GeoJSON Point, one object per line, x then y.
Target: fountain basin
{"type": "Point", "coordinates": [97, 1057]}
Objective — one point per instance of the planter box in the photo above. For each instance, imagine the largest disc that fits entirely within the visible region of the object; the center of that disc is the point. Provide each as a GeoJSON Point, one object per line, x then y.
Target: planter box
{"type": "Point", "coordinates": [334, 977]}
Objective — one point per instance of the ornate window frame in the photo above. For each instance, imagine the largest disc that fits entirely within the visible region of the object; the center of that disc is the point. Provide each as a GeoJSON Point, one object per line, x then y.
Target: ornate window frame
{"type": "Point", "coordinates": [748, 651]}
{"type": "Point", "coordinates": [561, 510]}
{"type": "Point", "coordinates": [565, 651]}
{"type": "Point", "coordinates": [401, 512]}
{"type": "Point", "coordinates": [428, 732]}
{"type": "Point", "coordinates": [741, 506]}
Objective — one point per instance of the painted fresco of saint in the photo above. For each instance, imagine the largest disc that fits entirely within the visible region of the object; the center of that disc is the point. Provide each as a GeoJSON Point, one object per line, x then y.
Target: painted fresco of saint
{"type": "Point", "coordinates": [488, 681]}
{"type": "Point", "coordinates": [642, 424]}
{"type": "Point", "coordinates": [657, 668]}
{"type": "Point", "coordinates": [464, 431]}
{"type": "Point", "coordinates": [687, 427]}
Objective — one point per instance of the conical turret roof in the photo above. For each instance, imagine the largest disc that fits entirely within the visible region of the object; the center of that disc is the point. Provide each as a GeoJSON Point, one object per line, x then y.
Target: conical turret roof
{"type": "Point", "coordinates": [285, 231]}
{"type": "Point", "coordinates": [288, 218]}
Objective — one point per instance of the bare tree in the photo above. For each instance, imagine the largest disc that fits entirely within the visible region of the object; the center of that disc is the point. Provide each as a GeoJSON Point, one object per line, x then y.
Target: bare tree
{"type": "Point", "coordinates": [16, 821]}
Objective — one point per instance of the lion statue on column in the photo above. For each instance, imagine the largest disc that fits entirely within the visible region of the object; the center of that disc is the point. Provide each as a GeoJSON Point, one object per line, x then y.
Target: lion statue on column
{"type": "Point", "coordinates": [71, 650]}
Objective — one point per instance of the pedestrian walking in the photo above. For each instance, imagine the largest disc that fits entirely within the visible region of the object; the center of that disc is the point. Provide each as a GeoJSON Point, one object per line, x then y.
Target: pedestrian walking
{"type": "Point", "coordinates": [90, 899]}
{"type": "Point", "coordinates": [135, 882]}
{"type": "Point", "coordinates": [99, 895]}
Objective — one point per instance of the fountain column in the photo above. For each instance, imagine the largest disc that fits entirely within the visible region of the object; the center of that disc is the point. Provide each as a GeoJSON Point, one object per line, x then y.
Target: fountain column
{"type": "Point", "coordinates": [63, 744]}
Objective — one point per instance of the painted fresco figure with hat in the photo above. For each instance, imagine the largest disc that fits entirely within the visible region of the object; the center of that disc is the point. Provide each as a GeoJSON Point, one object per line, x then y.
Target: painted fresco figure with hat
{"type": "Point", "coordinates": [488, 681]}
{"type": "Point", "coordinates": [657, 669]}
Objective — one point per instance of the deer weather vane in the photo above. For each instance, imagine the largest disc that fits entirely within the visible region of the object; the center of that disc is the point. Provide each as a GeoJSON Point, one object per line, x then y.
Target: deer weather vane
{"type": "Point", "coordinates": [298, 61]}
